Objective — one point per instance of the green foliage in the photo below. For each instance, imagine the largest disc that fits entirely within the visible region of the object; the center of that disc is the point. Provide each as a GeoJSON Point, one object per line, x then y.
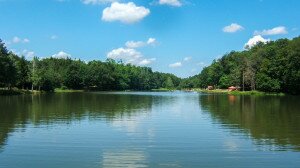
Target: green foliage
{"type": "Point", "coordinates": [225, 82]}
{"type": "Point", "coordinates": [51, 73]}
{"type": "Point", "coordinates": [271, 67]}
{"type": "Point", "coordinates": [7, 68]}
{"type": "Point", "coordinates": [22, 71]}
{"type": "Point", "coordinates": [74, 78]}
{"type": "Point", "coordinates": [169, 83]}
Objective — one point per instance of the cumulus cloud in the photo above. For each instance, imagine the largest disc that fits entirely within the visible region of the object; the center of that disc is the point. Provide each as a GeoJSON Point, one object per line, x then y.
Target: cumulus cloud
{"type": "Point", "coordinates": [255, 40]}
{"type": "Point", "coordinates": [129, 56]}
{"type": "Point", "coordinates": [138, 44]}
{"type": "Point", "coordinates": [275, 31]}
{"type": "Point", "coordinates": [124, 54]}
{"type": "Point", "coordinates": [234, 27]}
{"type": "Point", "coordinates": [96, 2]}
{"type": "Point", "coordinates": [62, 55]}
{"type": "Point", "coordinates": [175, 65]}
{"type": "Point", "coordinates": [175, 3]}
{"type": "Point", "coordinates": [124, 12]}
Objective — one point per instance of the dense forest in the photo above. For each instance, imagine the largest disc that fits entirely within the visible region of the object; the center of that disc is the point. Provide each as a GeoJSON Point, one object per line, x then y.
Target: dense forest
{"type": "Point", "coordinates": [267, 67]}
{"type": "Point", "coordinates": [270, 67]}
{"type": "Point", "coordinates": [50, 73]}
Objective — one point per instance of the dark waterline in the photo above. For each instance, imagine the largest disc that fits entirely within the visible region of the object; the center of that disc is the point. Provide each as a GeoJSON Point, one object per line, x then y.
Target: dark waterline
{"type": "Point", "coordinates": [149, 129]}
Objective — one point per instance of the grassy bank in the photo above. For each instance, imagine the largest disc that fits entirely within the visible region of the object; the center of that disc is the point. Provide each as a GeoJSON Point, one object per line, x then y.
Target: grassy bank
{"type": "Point", "coordinates": [66, 91]}
{"type": "Point", "coordinates": [162, 90]}
{"type": "Point", "coordinates": [5, 92]}
{"type": "Point", "coordinates": [225, 91]}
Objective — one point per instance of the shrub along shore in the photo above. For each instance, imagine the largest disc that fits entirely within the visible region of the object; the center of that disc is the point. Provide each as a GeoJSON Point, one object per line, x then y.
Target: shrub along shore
{"type": "Point", "coordinates": [225, 91]}
{"type": "Point", "coordinates": [15, 91]}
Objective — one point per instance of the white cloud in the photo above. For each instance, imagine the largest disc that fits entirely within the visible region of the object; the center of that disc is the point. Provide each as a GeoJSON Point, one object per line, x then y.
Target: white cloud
{"type": "Point", "coordinates": [234, 27]}
{"type": "Point", "coordinates": [96, 2]}
{"type": "Point", "coordinates": [124, 54]}
{"type": "Point", "coordinates": [175, 3]}
{"type": "Point", "coordinates": [175, 65]}
{"type": "Point", "coordinates": [151, 41]}
{"type": "Point", "coordinates": [187, 59]}
{"type": "Point", "coordinates": [129, 56]}
{"type": "Point", "coordinates": [138, 44]}
{"type": "Point", "coordinates": [25, 52]}
{"type": "Point", "coordinates": [62, 55]}
{"type": "Point", "coordinates": [255, 40]}
{"type": "Point", "coordinates": [275, 31]}
{"type": "Point", "coordinates": [124, 12]}
{"type": "Point", "coordinates": [19, 40]}
{"type": "Point", "coordinates": [147, 61]}
{"type": "Point", "coordinates": [134, 44]}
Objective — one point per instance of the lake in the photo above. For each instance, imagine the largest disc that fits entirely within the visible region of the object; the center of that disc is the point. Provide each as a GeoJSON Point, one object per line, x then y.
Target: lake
{"type": "Point", "coordinates": [149, 129]}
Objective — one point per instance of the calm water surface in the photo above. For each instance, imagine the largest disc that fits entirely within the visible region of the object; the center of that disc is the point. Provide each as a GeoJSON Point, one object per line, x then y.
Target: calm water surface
{"type": "Point", "coordinates": [149, 129]}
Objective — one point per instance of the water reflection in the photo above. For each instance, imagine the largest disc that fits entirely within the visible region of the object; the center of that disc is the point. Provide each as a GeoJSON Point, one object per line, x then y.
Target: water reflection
{"type": "Point", "coordinates": [17, 111]}
{"type": "Point", "coordinates": [125, 158]}
{"type": "Point", "coordinates": [148, 129]}
{"type": "Point", "coordinates": [269, 120]}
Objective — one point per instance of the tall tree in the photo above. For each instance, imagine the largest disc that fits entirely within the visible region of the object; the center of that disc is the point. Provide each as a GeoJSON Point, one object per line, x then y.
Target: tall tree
{"type": "Point", "coordinates": [7, 67]}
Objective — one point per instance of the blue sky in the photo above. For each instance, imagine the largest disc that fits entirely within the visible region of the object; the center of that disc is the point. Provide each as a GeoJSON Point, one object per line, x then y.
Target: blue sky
{"type": "Point", "coordinates": [176, 36]}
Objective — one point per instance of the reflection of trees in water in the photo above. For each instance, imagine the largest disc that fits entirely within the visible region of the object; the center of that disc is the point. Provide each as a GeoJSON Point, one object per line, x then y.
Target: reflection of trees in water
{"type": "Point", "coordinates": [16, 111]}
{"type": "Point", "coordinates": [124, 158]}
{"type": "Point", "coordinates": [268, 119]}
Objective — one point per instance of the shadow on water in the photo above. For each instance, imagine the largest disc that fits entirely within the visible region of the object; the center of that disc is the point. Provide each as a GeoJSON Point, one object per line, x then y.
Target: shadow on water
{"type": "Point", "coordinates": [269, 120]}
{"type": "Point", "coordinates": [17, 111]}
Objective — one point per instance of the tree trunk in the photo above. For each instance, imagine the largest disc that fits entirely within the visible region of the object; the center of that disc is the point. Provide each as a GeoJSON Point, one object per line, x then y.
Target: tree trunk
{"type": "Point", "coordinates": [243, 82]}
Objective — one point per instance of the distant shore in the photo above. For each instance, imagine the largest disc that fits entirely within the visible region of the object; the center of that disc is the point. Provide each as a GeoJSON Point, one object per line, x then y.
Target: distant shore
{"type": "Point", "coordinates": [225, 91]}
{"type": "Point", "coordinates": [5, 92]}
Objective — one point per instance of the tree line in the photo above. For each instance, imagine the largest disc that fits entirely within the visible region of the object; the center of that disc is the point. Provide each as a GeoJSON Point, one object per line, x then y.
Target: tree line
{"type": "Point", "coordinates": [50, 73]}
{"type": "Point", "coordinates": [269, 67]}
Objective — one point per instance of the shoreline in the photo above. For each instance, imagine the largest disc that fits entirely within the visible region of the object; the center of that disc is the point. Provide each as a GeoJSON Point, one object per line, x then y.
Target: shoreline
{"type": "Point", "coordinates": [217, 91]}
{"type": "Point", "coordinates": [225, 91]}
